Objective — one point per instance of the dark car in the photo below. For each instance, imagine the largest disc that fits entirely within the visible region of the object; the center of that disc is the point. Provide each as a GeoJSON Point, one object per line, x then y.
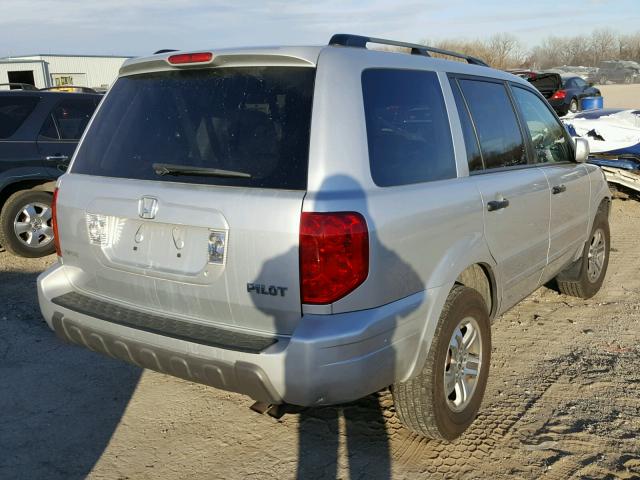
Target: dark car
{"type": "Point", "coordinates": [563, 92]}
{"type": "Point", "coordinates": [618, 71]}
{"type": "Point", "coordinates": [39, 131]}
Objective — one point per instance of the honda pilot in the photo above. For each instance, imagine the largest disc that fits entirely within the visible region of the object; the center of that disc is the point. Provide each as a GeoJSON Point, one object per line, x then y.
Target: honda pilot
{"type": "Point", "coordinates": [309, 225]}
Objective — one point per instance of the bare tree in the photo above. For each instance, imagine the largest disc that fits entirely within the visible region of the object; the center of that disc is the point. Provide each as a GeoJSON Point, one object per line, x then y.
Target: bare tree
{"type": "Point", "coordinates": [603, 45]}
{"type": "Point", "coordinates": [505, 51]}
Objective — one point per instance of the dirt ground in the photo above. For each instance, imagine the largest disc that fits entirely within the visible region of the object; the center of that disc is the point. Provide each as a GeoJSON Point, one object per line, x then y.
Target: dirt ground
{"type": "Point", "coordinates": [621, 96]}
{"type": "Point", "coordinates": [563, 401]}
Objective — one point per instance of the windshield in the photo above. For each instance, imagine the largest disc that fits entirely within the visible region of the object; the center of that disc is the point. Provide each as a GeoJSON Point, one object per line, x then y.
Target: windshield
{"type": "Point", "coordinates": [252, 119]}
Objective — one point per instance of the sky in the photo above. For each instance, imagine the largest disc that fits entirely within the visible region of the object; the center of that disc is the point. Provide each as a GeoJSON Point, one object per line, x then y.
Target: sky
{"type": "Point", "coordinates": [121, 27]}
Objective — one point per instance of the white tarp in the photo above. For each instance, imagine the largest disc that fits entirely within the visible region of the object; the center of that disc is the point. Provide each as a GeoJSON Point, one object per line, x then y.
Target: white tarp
{"type": "Point", "coordinates": [608, 131]}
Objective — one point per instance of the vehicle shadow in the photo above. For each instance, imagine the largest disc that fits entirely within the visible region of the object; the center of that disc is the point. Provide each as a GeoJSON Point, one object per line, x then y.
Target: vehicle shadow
{"type": "Point", "coordinates": [60, 404]}
{"type": "Point", "coordinates": [352, 436]}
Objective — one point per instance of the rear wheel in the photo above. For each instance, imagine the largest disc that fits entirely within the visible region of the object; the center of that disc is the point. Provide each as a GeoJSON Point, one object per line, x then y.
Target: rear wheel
{"type": "Point", "coordinates": [25, 224]}
{"type": "Point", "coordinates": [573, 106]}
{"type": "Point", "coordinates": [442, 401]}
{"type": "Point", "coordinates": [584, 278]}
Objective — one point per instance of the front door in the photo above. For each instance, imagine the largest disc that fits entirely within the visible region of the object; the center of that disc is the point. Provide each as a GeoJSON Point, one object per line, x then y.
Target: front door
{"type": "Point", "coordinates": [568, 180]}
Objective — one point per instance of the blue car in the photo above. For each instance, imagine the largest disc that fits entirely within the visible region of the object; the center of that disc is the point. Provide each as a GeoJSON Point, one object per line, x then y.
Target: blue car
{"type": "Point", "coordinates": [563, 92]}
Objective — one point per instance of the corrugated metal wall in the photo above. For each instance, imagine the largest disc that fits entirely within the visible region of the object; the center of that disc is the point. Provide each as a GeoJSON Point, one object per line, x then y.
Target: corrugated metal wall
{"type": "Point", "coordinates": [97, 72]}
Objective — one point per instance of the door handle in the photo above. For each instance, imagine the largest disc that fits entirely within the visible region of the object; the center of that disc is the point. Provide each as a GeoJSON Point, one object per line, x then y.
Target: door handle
{"type": "Point", "coordinates": [57, 158]}
{"type": "Point", "coordinates": [494, 205]}
{"type": "Point", "coordinates": [559, 189]}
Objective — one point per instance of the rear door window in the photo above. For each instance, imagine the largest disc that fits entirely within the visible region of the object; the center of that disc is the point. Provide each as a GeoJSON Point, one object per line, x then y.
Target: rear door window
{"type": "Point", "coordinates": [72, 116]}
{"type": "Point", "coordinates": [496, 123]}
{"type": "Point", "coordinates": [68, 119]}
{"type": "Point", "coordinates": [14, 110]}
{"type": "Point", "coordinates": [253, 120]}
{"type": "Point", "coordinates": [407, 127]}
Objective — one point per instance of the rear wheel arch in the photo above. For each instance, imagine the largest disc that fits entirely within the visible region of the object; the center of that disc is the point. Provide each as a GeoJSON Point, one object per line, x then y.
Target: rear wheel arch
{"type": "Point", "coordinates": [480, 277]}
{"type": "Point", "coordinates": [41, 184]}
{"type": "Point", "coordinates": [604, 207]}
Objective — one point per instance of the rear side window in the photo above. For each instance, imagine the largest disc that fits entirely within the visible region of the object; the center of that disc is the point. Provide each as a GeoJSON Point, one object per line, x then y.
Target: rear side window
{"type": "Point", "coordinates": [407, 127]}
{"type": "Point", "coordinates": [253, 120]}
{"type": "Point", "coordinates": [14, 110]}
{"type": "Point", "coordinates": [496, 123]}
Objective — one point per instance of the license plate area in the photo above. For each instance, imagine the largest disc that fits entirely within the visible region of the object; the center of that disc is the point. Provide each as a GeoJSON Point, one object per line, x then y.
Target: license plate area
{"type": "Point", "coordinates": [162, 247]}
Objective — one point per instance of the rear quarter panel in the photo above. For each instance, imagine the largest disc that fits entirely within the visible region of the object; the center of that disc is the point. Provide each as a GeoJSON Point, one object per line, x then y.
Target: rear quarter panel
{"type": "Point", "coordinates": [422, 236]}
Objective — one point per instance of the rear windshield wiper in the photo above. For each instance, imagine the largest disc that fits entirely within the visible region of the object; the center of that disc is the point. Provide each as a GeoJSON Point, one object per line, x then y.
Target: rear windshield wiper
{"type": "Point", "coordinates": [171, 169]}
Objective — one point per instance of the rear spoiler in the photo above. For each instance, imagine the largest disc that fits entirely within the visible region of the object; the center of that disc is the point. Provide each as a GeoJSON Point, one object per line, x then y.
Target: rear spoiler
{"type": "Point", "coordinates": [236, 58]}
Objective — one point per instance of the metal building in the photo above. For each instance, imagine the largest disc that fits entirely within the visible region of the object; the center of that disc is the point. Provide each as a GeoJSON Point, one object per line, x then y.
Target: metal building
{"type": "Point", "coordinates": [95, 71]}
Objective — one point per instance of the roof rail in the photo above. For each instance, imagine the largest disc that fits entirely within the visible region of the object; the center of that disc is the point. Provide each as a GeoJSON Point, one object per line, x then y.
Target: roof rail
{"type": "Point", "coordinates": [358, 41]}
{"type": "Point", "coordinates": [19, 86]}
{"type": "Point", "coordinates": [69, 88]}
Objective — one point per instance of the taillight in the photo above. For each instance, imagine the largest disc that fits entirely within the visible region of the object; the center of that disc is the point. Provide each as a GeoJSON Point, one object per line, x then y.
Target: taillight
{"type": "Point", "coordinates": [181, 58]}
{"type": "Point", "coordinates": [54, 222]}
{"type": "Point", "coordinates": [334, 255]}
{"type": "Point", "coordinates": [559, 95]}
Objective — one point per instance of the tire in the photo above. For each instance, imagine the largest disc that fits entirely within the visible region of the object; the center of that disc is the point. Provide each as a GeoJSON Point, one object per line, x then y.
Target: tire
{"type": "Point", "coordinates": [603, 80]}
{"type": "Point", "coordinates": [421, 402]}
{"type": "Point", "coordinates": [23, 212]}
{"type": "Point", "coordinates": [574, 106]}
{"type": "Point", "coordinates": [580, 279]}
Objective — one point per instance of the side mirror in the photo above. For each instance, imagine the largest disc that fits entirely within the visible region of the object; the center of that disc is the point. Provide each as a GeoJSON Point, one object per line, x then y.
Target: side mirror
{"type": "Point", "coordinates": [582, 149]}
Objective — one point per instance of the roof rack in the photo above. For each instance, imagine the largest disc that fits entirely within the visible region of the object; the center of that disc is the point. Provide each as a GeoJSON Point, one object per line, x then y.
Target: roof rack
{"type": "Point", "coordinates": [18, 86]}
{"type": "Point", "coordinates": [358, 41]}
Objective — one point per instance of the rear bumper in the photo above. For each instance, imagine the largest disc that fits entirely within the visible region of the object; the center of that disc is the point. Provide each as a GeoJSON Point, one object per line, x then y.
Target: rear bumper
{"type": "Point", "coordinates": [329, 359]}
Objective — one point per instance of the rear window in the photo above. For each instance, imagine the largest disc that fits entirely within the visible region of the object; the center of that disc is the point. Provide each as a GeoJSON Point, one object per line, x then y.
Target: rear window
{"type": "Point", "coordinates": [253, 120]}
{"type": "Point", "coordinates": [407, 127]}
{"type": "Point", "coordinates": [14, 111]}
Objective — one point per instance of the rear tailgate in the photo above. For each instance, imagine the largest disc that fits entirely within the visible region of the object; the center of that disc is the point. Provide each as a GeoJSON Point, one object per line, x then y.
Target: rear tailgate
{"type": "Point", "coordinates": [547, 83]}
{"type": "Point", "coordinates": [220, 250]}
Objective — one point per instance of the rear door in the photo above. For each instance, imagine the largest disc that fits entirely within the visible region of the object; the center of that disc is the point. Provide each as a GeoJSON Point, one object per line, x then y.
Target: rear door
{"type": "Point", "coordinates": [568, 180]}
{"type": "Point", "coordinates": [218, 248]}
{"type": "Point", "coordinates": [18, 152]}
{"type": "Point", "coordinates": [515, 193]}
{"type": "Point", "coordinates": [62, 129]}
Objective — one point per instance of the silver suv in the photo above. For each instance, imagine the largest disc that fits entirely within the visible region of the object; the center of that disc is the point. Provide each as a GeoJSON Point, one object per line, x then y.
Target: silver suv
{"type": "Point", "coordinates": [309, 225]}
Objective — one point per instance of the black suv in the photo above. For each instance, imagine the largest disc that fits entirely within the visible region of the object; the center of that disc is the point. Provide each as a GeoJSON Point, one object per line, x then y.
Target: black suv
{"type": "Point", "coordinates": [618, 71]}
{"type": "Point", "coordinates": [39, 131]}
